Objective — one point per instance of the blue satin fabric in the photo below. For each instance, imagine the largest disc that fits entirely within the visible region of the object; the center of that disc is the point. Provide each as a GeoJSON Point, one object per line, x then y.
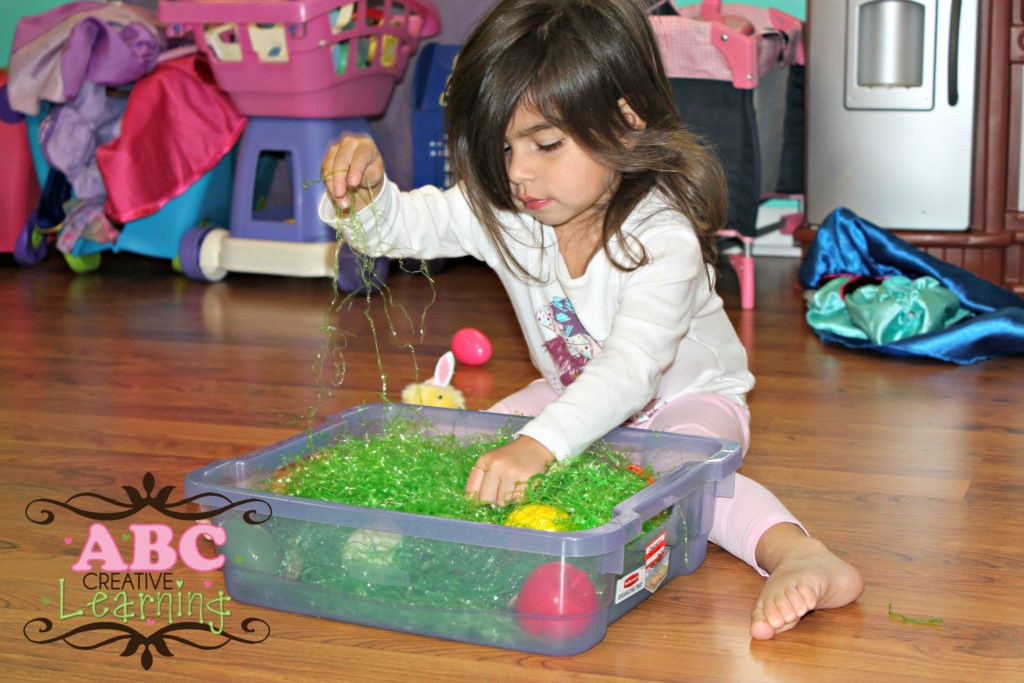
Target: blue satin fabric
{"type": "Point", "coordinates": [848, 244]}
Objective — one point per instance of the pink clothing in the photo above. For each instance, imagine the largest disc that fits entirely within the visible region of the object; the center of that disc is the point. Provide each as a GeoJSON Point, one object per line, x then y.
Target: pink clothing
{"type": "Point", "coordinates": [178, 115]}
{"type": "Point", "coordinates": [740, 521]}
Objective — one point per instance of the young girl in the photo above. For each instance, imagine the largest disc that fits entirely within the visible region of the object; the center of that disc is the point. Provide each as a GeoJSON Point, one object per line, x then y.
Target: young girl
{"type": "Point", "coordinates": [578, 184]}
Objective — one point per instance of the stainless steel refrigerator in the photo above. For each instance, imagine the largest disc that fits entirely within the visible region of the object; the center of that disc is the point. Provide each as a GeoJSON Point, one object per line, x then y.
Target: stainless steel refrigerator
{"type": "Point", "coordinates": [891, 110]}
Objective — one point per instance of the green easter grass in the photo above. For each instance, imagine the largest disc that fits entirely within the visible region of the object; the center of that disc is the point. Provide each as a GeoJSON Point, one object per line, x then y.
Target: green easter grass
{"type": "Point", "coordinates": [403, 470]}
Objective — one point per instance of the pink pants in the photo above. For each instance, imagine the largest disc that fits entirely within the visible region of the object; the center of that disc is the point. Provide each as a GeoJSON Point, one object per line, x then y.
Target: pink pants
{"type": "Point", "coordinates": [739, 521]}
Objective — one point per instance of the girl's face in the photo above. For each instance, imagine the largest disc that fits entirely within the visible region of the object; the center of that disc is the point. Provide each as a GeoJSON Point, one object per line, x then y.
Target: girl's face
{"type": "Point", "coordinates": [554, 179]}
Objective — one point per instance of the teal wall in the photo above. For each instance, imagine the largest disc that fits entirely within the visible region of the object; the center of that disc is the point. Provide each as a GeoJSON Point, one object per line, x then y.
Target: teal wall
{"type": "Point", "coordinates": [798, 8]}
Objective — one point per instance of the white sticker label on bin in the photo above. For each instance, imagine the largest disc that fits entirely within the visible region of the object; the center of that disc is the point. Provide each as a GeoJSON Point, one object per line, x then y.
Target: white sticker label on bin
{"type": "Point", "coordinates": [629, 584]}
{"type": "Point", "coordinates": [656, 573]}
{"type": "Point", "coordinates": [655, 550]}
{"type": "Point", "coordinates": [656, 562]}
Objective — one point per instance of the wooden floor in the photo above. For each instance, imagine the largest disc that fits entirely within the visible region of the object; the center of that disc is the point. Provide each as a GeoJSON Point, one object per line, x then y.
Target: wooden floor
{"type": "Point", "coordinates": [911, 470]}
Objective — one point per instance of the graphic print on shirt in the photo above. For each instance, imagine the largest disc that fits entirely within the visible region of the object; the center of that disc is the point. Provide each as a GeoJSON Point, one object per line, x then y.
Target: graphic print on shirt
{"type": "Point", "coordinates": [572, 346]}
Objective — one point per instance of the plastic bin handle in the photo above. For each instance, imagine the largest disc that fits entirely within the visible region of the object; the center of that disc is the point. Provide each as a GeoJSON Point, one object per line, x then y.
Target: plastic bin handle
{"type": "Point", "coordinates": [675, 485]}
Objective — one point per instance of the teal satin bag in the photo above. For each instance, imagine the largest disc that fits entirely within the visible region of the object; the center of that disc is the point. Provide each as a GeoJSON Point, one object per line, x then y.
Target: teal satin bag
{"type": "Point", "coordinates": [895, 308]}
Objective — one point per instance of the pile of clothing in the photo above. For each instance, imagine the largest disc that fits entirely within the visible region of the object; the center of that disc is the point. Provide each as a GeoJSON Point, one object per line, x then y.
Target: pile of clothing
{"type": "Point", "coordinates": [130, 122]}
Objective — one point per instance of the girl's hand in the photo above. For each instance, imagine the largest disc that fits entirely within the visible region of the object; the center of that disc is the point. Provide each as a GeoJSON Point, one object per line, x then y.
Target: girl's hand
{"type": "Point", "coordinates": [353, 164]}
{"type": "Point", "coordinates": [500, 476]}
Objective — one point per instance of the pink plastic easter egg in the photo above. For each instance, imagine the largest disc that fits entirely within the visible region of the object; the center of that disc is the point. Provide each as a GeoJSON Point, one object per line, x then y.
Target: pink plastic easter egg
{"type": "Point", "coordinates": [471, 346]}
{"type": "Point", "coordinates": [557, 601]}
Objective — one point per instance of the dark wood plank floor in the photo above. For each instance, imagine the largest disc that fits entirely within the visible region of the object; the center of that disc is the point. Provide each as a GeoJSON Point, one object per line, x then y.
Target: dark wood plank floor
{"type": "Point", "coordinates": [912, 470]}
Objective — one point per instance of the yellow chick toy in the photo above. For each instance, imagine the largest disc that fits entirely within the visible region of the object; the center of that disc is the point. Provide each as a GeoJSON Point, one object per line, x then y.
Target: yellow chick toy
{"type": "Point", "coordinates": [436, 391]}
{"type": "Point", "coordinates": [539, 516]}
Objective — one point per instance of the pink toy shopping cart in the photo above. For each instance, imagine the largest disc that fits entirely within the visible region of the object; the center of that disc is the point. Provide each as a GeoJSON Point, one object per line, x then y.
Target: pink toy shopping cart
{"type": "Point", "coordinates": [305, 71]}
{"type": "Point", "coordinates": [737, 77]}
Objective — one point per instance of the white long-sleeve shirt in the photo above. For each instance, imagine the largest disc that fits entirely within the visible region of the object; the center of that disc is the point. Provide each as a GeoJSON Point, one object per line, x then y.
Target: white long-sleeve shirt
{"type": "Point", "coordinates": [643, 337]}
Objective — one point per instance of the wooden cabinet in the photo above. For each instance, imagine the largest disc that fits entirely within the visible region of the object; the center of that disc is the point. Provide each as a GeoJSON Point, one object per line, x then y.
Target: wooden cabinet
{"type": "Point", "coordinates": [993, 247]}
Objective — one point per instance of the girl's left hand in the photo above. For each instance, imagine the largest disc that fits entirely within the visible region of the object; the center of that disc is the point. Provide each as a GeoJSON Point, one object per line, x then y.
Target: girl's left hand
{"type": "Point", "coordinates": [353, 163]}
{"type": "Point", "coordinates": [500, 476]}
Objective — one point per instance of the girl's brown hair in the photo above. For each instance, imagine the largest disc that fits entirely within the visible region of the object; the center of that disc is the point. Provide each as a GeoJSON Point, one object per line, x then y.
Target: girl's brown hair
{"type": "Point", "coordinates": [572, 61]}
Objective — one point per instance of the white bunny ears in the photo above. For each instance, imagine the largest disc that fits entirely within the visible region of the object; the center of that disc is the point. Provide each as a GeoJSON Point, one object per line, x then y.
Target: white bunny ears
{"type": "Point", "coordinates": [436, 391]}
{"type": "Point", "coordinates": [443, 371]}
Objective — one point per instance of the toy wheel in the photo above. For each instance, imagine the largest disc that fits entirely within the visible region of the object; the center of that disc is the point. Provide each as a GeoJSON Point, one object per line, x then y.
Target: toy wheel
{"type": "Point", "coordinates": [83, 264]}
{"type": "Point", "coordinates": [351, 278]}
{"type": "Point", "coordinates": [199, 253]}
{"type": "Point", "coordinates": [435, 266]}
{"type": "Point", "coordinates": [31, 246]}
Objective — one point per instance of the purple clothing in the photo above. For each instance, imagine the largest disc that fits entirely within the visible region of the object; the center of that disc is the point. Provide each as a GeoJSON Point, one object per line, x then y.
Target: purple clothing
{"type": "Point", "coordinates": [101, 53]}
{"type": "Point", "coordinates": [71, 133]}
{"type": "Point", "coordinates": [84, 219]}
{"type": "Point", "coordinates": [68, 57]}
{"type": "Point", "coordinates": [8, 115]}
{"type": "Point", "coordinates": [37, 66]}
{"type": "Point", "coordinates": [32, 27]}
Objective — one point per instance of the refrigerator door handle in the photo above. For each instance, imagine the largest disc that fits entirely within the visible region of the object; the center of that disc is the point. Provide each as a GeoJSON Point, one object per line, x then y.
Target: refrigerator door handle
{"type": "Point", "coordinates": [954, 54]}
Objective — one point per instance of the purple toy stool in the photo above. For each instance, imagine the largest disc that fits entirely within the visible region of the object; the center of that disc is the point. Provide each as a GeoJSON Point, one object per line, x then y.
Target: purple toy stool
{"type": "Point", "coordinates": [274, 237]}
{"type": "Point", "coordinates": [302, 142]}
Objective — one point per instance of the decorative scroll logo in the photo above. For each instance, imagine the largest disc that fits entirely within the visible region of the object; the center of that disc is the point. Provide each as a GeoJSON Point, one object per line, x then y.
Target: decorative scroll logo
{"type": "Point", "coordinates": [137, 503]}
{"type": "Point", "coordinates": [157, 594]}
{"type": "Point", "coordinates": [158, 640]}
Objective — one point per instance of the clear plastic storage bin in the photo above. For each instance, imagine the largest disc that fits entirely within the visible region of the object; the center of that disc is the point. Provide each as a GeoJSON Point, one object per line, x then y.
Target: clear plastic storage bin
{"type": "Point", "coordinates": [552, 593]}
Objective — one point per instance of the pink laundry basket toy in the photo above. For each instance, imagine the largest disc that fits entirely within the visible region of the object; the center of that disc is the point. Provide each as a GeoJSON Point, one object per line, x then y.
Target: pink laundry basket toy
{"type": "Point", "coordinates": [305, 58]}
{"type": "Point", "coordinates": [304, 71]}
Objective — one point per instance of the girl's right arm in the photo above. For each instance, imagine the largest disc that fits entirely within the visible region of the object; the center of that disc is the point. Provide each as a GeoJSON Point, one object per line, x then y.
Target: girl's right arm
{"type": "Point", "coordinates": [353, 170]}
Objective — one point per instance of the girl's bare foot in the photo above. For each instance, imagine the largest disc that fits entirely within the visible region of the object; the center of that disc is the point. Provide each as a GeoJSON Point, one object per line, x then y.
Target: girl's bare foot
{"type": "Point", "coordinates": [803, 575]}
